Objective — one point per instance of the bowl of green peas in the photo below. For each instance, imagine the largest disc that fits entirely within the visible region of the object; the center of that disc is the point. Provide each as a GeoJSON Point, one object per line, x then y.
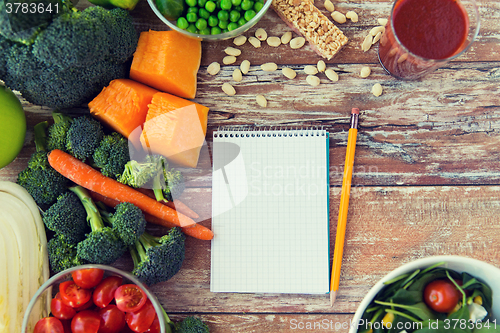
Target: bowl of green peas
{"type": "Point", "coordinates": [210, 20]}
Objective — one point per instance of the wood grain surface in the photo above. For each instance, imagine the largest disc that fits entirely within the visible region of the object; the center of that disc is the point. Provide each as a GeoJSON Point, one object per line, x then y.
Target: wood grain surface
{"type": "Point", "coordinates": [426, 179]}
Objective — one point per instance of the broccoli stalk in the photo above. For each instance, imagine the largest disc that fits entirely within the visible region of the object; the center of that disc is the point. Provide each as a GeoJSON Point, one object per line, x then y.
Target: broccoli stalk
{"type": "Point", "coordinates": [41, 181]}
{"type": "Point", "coordinates": [102, 245]}
{"type": "Point", "coordinates": [168, 183]}
{"type": "Point", "coordinates": [157, 259]}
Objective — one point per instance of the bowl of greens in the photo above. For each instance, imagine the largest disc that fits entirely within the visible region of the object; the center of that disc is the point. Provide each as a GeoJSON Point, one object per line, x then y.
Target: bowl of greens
{"type": "Point", "coordinates": [436, 294]}
{"type": "Point", "coordinates": [210, 20]}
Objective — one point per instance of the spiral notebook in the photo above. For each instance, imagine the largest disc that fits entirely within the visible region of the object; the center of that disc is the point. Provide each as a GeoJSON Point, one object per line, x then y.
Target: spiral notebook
{"type": "Point", "coordinates": [270, 211]}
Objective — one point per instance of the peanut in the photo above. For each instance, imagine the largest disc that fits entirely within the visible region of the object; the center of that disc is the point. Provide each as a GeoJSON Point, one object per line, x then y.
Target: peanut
{"type": "Point", "coordinates": [261, 100]}
{"type": "Point", "coordinates": [297, 42]}
{"type": "Point", "coordinates": [228, 60]}
{"type": "Point", "coordinates": [245, 66]}
{"type": "Point", "coordinates": [273, 41]}
{"type": "Point", "coordinates": [382, 21]}
{"type": "Point", "coordinates": [329, 6]}
{"type": "Point", "coordinates": [228, 89]}
{"type": "Point", "coordinates": [237, 76]}
{"type": "Point", "coordinates": [331, 75]}
{"type": "Point", "coordinates": [352, 16]}
{"type": "Point", "coordinates": [240, 40]}
{"type": "Point", "coordinates": [377, 89]}
{"type": "Point", "coordinates": [311, 70]}
{"type": "Point", "coordinates": [338, 17]}
{"type": "Point", "coordinates": [254, 41]}
{"type": "Point", "coordinates": [269, 67]}
{"type": "Point", "coordinates": [367, 43]}
{"type": "Point", "coordinates": [376, 30]}
{"type": "Point", "coordinates": [286, 38]}
{"type": "Point", "coordinates": [313, 80]}
{"type": "Point", "coordinates": [377, 37]}
{"type": "Point", "coordinates": [213, 68]}
{"type": "Point", "coordinates": [289, 73]}
{"type": "Point", "coordinates": [232, 51]}
{"type": "Point", "coordinates": [321, 66]}
{"type": "Point", "coordinates": [261, 34]}
{"type": "Point", "coordinates": [365, 72]}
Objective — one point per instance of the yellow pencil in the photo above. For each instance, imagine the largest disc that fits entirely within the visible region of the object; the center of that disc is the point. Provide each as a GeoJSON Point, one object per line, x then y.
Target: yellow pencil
{"type": "Point", "coordinates": [344, 204]}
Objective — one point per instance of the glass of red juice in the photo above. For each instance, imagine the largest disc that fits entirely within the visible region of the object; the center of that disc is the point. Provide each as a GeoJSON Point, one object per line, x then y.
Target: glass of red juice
{"type": "Point", "coordinates": [423, 35]}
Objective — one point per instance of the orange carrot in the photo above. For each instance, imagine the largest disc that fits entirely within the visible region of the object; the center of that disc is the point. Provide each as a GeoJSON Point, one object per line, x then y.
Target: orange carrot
{"type": "Point", "coordinates": [176, 204]}
{"type": "Point", "coordinates": [91, 179]}
{"type": "Point", "coordinates": [198, 231]}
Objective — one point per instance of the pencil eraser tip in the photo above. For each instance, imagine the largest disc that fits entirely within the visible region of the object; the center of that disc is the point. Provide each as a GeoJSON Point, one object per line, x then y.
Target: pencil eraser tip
{"type": "Point", "coordinates": [355, 111]}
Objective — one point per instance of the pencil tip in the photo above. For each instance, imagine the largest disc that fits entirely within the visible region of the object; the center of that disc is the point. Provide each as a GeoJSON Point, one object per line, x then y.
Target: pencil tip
{"type": "Point", "coordinates": [333, 296]}
{"type": "Point", "coordinates": [355, 111]}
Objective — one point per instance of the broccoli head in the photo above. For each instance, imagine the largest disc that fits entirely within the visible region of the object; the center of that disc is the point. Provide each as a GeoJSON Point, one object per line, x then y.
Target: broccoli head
{"type": "Point", "coordinates": [137, 174]}
{"type": "Point", "coordinates": [168, 183]}
{"type": "Point", "coordinates": [112, 155]}
{"type": "Point", "coordinates": [41, 181]}
{"type": "Point", "coordinates": [72, 59]}
{"type": "Point", "coordinates": [128, 221]}
{"type": "Point", "coordinates": [58, 132]}
{"type": "Point", "coordinates": [62, 255]}
{"type": "Point", "coordinates": [103, 245]}
{"type": "Point", "coordinates": [84, 136]}
{"type": "Point", "coordinates": [157, 259]}
{"type": "Point", "coordinates": [191, 325]}
{"type": "Point", "coordinates": [67, 218]}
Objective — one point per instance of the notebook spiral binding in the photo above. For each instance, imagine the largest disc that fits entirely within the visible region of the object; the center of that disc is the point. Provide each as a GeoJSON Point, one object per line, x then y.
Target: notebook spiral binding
{"type": "Point", "coordinates": [267, 131]}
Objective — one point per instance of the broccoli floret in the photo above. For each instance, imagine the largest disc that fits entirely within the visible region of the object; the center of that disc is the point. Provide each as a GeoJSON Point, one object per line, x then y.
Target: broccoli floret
{"type": "Point", "coordinates": [137, 174]}
{"type": "Point", "coordinates": [41, 181]}
{"type": "Point", "coordinates": [84, 136]}
{"type": "Point", "coordinates": [168, 183]}
{"type": "Point", "coordinates": [67, 218]}
{"type": "Point", "coordinates": [128, 221]}
{"type": "Point", "coordinates": [102, 245]}
{"type": "Point", "coordinates": [5, 46]}
{"type": "Point", "coordinates": [22, 26]}
{"type": "Point", "coordinates": [112, 155]}
{"type": "Point", "coordinates": [191, 325]}
{"type": "Point", "coordinates": [157, 259]}
{"type": "Point", "coordinates": [58, 131]}
{"type": "Point", "coordinates": [72, 59]}
{"type": "Point", "coordinates": [62, 255]}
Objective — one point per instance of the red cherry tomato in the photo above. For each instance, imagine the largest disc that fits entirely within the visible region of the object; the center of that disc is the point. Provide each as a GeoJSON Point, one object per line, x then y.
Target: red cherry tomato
{"type": "Point", "coordinates": [155, 326]}
{"type": "Point", "coordinates": [88, 277]}
{"type": "Point", "coordinates": [130, 298]}
{"type": "Point", "coordinates": [73, 295]}
{"type": "Point", "coordinates": [85, 306]}
{"type": "Point", "coordinates": [86, 321]}
{"type": "Point", "coordinates": [66, 325]}
{"type": "Point", "coordinates": [49, 325]}
{"type": "Point", "coordinates": [441, 295]}
{"type": "Point", "coordinates": [105, 291]}
{"type": "Point", "coordinates": [112, 319]}
{"type": "Point", "coordinates": [142, 319]}
{"type": "Point", "coordinates": [61, 310]}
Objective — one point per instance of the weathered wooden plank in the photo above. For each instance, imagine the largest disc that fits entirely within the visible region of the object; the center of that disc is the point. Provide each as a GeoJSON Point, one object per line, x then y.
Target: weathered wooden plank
{"type": "Point", "coordinates": [231, 323]}
{"type": "Point", "coordinates": [486, 47]}
{"type": "Point", "coordinates": [387, 226]}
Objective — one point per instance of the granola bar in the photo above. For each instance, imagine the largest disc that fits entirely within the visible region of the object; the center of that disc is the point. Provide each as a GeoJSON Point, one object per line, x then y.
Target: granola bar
{"type": "Point", "coordinates": [304, 18]}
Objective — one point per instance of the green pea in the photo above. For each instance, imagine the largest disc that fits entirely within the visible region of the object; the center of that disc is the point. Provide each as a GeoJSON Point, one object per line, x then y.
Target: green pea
{"type": "Point", "coordinates": [237, 8]}
{"type": "Point", "coordinates": [249, 14]}
{"type": "Point", "coordinates": [203, 13]}
{"type": "Point", "coordinates": [192, 29]}
{"type": "Point", "coordinates": [231, 26]}
{"type": "Point", "coordinates": [236, 2]}
{"type": "Point", "coordinates": [213, 21]}
{"type": "Point", "coordinates": [223, 16]}
{"type": "Point", "coordinates": [205, 31]}
{"type": "Point", "coordinates": [258, 6]}
{"type": "Point", "coordinates": [246, 4]}
{"type": "Point", "coordinates": [193, 10]}
{"type": "Point", "coordinates": [241, 22]}
{"type": "Point", "coordinates": [234, 16]}
{"type": "Point", "coordinates": [191, 17]}
{"type": "Point", "coordinates": [223, 24]}
{"type": "Point", "coordinates": [201, 3]}
{"type": "Point", "coordinates": [210, 6]}
{"type": "Point", "coordinates": [191, 3]}
{"type": "Point", "coordinates": [201, 23]}
{"type": "Point", "coordinates": [215, 31]}
{"type": "Point", "coordinates": [226, 4]}
{"type": "Point", "coordinates": [182, 23]}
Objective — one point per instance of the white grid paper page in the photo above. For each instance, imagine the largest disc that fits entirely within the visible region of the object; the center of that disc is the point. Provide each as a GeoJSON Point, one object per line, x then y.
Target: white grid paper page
{"type": "Point", "coordinates": [272, 236]}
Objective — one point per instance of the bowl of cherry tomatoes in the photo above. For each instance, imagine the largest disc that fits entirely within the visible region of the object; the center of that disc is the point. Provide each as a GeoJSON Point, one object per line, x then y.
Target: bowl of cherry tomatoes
{"type": "Point", "coordinates": [93, 299]}
{"type": "Point", "coordinates": [434, 294]}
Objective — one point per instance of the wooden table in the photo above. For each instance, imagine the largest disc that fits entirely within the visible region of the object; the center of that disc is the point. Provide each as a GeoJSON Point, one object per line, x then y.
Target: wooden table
{"type": "Point", "coordinates": [426, 178]}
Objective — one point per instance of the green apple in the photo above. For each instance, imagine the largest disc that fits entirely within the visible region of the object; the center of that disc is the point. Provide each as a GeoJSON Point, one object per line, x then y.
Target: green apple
{"type": "Point", "coordinates": [12, 126]}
